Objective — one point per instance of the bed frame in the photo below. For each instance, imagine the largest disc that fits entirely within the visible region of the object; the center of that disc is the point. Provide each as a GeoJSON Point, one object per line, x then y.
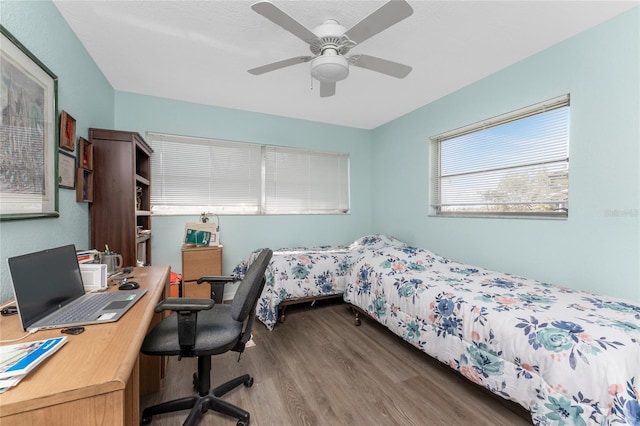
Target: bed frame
{"type": "Point", "coordinates": [282, 307]}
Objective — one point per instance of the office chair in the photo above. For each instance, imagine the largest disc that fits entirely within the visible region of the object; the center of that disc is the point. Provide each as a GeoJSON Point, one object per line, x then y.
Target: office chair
{"type": "Point", "coordinates": [197, 328]}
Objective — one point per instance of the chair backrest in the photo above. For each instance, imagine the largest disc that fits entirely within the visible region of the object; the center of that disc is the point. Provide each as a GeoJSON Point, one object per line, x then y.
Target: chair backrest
{"type": "Point", "coordinates": [250, 288]}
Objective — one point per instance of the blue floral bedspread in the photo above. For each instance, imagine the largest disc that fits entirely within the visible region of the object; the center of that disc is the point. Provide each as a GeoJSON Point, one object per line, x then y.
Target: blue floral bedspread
{"type": "Point", "coordinates": [299, 272]}
{"type": "Point", "coordinates": [569, 357]}
{"type": "Point", "coordinates": [296, 273]}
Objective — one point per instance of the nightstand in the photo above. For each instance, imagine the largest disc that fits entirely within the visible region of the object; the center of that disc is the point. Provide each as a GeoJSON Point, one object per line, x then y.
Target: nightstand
{"type": "Point", "coordinates": [198, 262]}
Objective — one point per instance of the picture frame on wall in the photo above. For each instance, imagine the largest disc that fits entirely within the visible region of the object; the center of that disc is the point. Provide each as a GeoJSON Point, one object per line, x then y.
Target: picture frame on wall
{"type": "Point", "coordinates": [85, 153]}
{"type": "Point", "coordinates": [66, 170]}
{"type": "Point", "coordinates": [67, 131]}
{"type": "Point", "coordinates": [29, 140]}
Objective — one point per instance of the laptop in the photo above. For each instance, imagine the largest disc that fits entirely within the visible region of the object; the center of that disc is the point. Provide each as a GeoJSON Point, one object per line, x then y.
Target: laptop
{"type": "Point", "coordinates": [49, 292]}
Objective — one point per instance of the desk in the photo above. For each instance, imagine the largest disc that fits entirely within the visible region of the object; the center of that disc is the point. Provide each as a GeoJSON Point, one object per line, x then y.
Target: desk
{"type": "Point", "coordinates": [96, 378]}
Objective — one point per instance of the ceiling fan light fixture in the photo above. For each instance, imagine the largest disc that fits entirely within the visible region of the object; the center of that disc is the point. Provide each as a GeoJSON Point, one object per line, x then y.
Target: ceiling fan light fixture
{"type": "Point", "coordinates": [330, 68]}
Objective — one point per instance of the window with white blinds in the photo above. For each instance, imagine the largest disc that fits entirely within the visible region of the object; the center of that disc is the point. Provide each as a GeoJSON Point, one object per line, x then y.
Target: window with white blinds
{"type": "Point", "coordinates": [516, 164]}
{"type": "Point", "coordinates": [301, 181]}
{"type": "Point", "coordinates": [193, 175]}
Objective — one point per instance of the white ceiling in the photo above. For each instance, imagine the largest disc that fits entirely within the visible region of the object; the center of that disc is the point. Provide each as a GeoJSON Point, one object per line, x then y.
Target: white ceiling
{"type": "Point", "coordinates": [200, 51]}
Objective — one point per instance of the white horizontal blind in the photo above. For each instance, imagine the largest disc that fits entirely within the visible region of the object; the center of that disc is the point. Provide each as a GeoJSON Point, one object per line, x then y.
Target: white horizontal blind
{"type": "Point", "coordinates": [193, 175]}
{"type": "Point", "coordinates": [516, 164]}
{"type": "Point", "coordinates": [298, 181]}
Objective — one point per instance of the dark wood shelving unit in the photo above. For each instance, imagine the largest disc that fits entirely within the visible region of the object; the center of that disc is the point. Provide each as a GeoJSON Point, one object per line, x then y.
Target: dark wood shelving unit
{"type": "Point", "coordinates": [121, 194]}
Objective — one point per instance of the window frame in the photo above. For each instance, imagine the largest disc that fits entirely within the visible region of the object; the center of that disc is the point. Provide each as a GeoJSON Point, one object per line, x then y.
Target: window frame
{"type": "Point", "coordinates": [436, 193]}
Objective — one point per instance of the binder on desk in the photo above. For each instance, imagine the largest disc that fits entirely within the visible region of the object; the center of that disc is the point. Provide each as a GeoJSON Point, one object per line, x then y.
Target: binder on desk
{"type": "Point", "coordinates": [16, 361]}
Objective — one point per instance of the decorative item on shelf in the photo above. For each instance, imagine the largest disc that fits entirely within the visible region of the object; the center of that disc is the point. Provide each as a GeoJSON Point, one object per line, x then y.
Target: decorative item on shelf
{"type": "Point", "coordinates": [138, 198]}
{"type": "Point", "coordinates": [67, 131]}
{"type": "Point", "coordinates": [204, 218]}
{"type": "Point", "coordinates": [84, 185]}
{"type": "Point", "coordinates": [85, 156]}
{"type": "Point", "coordinates": [144, 232]}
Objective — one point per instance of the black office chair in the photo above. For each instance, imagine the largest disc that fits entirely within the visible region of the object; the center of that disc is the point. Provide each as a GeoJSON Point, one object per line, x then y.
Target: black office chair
{"type": "Point", "coordinates": [197, 328]}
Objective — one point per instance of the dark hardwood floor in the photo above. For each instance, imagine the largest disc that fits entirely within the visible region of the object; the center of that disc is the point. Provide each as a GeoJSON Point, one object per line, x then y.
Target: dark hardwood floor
{"type": "Point", "coordinates": [318, 368]}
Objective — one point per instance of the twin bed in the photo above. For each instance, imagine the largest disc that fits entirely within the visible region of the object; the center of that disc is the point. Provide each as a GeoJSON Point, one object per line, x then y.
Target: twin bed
{"type": "Point", "coordinates": [567, 356]}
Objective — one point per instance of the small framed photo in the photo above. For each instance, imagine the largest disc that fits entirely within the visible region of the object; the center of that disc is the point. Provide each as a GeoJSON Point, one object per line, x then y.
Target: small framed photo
{"type": "Point", "coordinates": [66, 170]}
{"type": "Point", "coordinates": [67, 131]}
{"type": "Point", "coordinates": [85, 156]}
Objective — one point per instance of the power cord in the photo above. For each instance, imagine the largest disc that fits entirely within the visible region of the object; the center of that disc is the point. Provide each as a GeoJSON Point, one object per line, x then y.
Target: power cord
{"type": "Point", "coordinates": [6, 304]}
{"type": "Point", "coordinates": [10, 309]}
{"type": "Point", "coordinates": [20, 338]}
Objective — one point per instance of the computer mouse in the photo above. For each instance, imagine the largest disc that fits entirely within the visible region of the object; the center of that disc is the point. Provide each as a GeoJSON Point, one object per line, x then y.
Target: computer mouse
{"type": "Point", "coordinates": [129, 285]}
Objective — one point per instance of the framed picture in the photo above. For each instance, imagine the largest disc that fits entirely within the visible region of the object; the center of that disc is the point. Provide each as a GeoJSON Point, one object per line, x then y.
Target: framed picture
{"type": "Point", "coordinates": [29, 102]}
{"type": "Point", "coordinates": [67, 131]}
{"type": "Point", "coordinates": [66, 170]}
{"type": "Point", "coordinates": [85, 155]}
{"type": "Point", "coordinates": [84, 188]}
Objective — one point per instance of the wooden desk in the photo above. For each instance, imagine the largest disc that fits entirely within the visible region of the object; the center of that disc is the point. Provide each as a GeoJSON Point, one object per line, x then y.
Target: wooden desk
{"type": "Point", "coordinates": [97, 376]}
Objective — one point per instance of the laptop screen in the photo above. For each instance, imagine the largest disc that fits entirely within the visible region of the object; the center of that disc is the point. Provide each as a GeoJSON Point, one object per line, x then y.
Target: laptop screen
{"type": "Point", "coordinates": [44, 281]}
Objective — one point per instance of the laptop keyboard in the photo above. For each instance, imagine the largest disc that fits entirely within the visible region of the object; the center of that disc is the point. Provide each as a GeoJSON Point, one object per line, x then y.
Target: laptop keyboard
{"type": "Point", "coordinates": [86, 309]}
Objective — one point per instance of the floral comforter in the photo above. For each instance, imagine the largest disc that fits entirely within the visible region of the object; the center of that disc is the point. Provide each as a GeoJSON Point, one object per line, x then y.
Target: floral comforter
{"type": "Point", "coordinates": [569, 357]}
{"type": "Point", "coordinates": [296, 273]}
{"type": "Point", "coordinates": [302, 272]}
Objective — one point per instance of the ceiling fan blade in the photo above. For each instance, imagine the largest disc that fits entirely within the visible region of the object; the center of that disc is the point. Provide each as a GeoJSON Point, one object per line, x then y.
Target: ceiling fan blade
{"type": "Point", "coordinates": [327, 89]}
{"type": "Point", "coordinates": [280, 64]}
{"type": "Point", "coordinates": [278, 17]}
{"type": "Point", "coordinates": [390, 13]}
{"type": "Point", "coordinates": [383, 66]}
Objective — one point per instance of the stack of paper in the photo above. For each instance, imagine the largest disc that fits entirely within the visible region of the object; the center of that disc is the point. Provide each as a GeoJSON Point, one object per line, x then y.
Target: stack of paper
{"type": "Point", "coordinates": [16, 361]}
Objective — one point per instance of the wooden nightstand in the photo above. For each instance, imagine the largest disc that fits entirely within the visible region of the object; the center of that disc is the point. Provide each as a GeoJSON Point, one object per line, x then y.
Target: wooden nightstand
{"type": "Point", "coordinates": [198, 262]}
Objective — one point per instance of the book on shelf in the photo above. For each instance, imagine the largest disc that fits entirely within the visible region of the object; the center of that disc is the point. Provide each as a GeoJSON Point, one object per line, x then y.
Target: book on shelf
{"type": "Point", "coordinates": [17, 360]}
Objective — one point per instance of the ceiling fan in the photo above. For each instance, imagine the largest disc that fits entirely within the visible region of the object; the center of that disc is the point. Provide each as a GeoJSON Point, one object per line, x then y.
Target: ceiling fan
{"type": "Point", "coordinates": [330, 42]}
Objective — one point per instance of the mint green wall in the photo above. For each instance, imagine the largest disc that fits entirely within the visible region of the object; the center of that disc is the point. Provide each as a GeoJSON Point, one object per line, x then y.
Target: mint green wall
{"type": "Point", "coordinates": [84, 93]}
{"type": "Point", "coordinates": [242, 234]}
{"type": "Point", "coordinates": [598, 247]}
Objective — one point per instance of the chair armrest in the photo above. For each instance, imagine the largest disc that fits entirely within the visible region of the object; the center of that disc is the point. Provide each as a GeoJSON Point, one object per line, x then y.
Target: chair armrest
{"type": "Point", "coordinates": [218, 279]}
{"type": "Point", "coordinates": [184, 304]}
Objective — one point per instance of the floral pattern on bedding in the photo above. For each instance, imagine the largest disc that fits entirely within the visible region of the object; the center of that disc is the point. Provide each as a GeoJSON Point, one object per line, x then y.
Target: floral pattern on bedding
{"type": "Point", "coordinates": [569, 357]}
{"type": "Point", "coordinates": [307, 271]}
{"type": "Point", "coordinates": [296, 273]}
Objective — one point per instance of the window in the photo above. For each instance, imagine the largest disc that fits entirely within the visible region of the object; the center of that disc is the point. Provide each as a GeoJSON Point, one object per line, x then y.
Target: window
{"type": "Point", "coordinates": [516, 164]}
{"type": "Point", "coordinates": [193, 175]}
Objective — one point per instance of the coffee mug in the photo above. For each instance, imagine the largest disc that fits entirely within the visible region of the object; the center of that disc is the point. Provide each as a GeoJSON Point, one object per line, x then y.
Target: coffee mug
{"type": "Point", "coordinates": [113, 262]}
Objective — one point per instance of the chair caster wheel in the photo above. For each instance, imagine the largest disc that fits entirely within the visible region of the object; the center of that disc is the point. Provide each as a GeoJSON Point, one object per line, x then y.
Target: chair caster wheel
{"type": "Point", "coordinates": [145, 421]}
{"type": "Point", "coordinates": [242, 423]}
{"type": "Point", "coordinates": [358, 322]}
{"type": "Point", "coordinates": [248, 384]}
